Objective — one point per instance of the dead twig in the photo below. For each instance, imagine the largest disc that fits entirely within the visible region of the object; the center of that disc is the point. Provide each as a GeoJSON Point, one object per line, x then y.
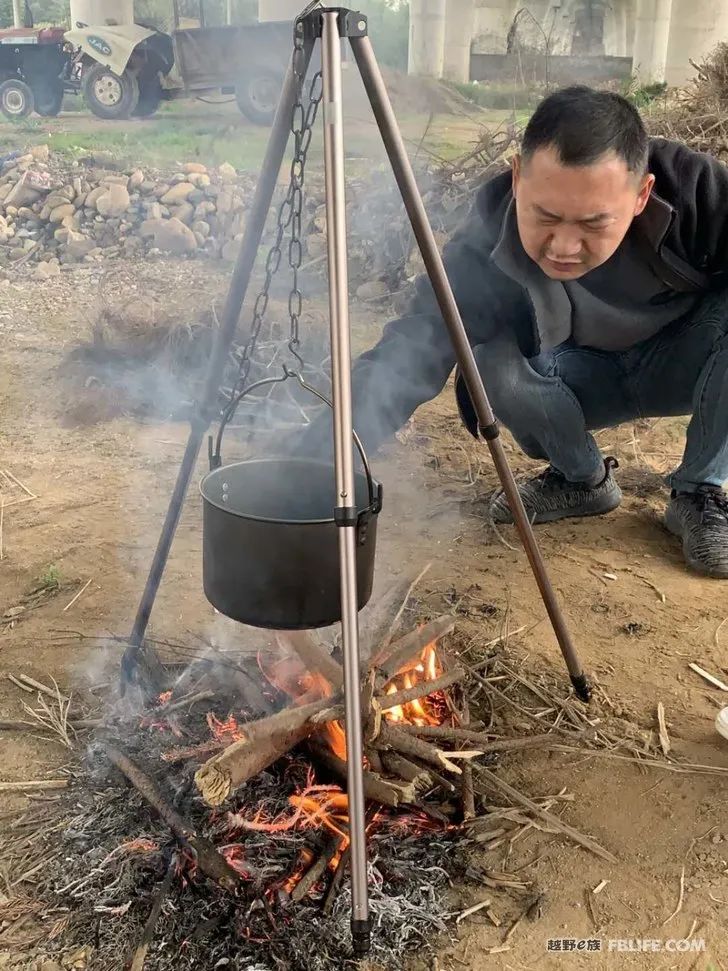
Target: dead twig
{"type": "Point", "coordinates": [140, 954]}
{"type": "Point", "coordinates": [680, 899]}
{"type": "Point", "coordinates": [85, 587]}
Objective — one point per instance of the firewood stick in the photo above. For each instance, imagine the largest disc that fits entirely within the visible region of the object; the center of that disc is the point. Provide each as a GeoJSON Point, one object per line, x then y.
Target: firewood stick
{"type": "Point", "coordinates": [390, 738]}
{"type": "Point", "coordinates": [210, 862]}
{"type": "Point", "coordinates": [375, 761]}
{"type": "Point", "coordinates": [468, 786]}
{"type": "Point", "coordinates": [187, 702]}
{"type": "Point", "coordinates": [398, 765]}
{"type": "Point", "coordinates": [265, 741]}
{"type": "Point", "coordinates": [495, 782]}
{"type": "Point", "coordinates": [386, 702]}
{"type": "Point", "coordinates": [140, 954]}
{"type": "Point", "coordinates": [313, 654]}
{"type": "Point", "coordinates": [404, 650]}
{"type": "Point", "coordinates": [420, 690]}
{"type": "Point", "coordinates": [34, 784]}
{"type": "Point", "coordinates": [483, 741]}
{"type": "Point", "coordinates": [330, 898]}
{"type": "Point", "coordinates": [387, 792]}
{"type": "Point", "coordinates": [312, 876]}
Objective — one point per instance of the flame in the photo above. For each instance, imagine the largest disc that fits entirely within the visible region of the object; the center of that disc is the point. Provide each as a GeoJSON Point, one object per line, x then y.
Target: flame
{"type": "Point", "coordinates": [164, 698]}
{"type": "Point", "coordinates": [420, 711]}
{"type": "Point", "coordinates": [290, 676]}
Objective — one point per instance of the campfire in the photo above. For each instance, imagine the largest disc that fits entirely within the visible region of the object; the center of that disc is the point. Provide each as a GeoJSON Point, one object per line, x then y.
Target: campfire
{"type": "Point", "coordinates": [413, 783]}
{"type": "Point", "coordinates": [222, 841]}
{"type": "Point", "coordinates": [243, 764]}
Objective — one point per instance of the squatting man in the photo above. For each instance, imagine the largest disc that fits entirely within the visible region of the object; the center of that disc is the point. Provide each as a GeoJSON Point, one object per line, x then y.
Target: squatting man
{"type": "Point", "coordinates": [593, 283]}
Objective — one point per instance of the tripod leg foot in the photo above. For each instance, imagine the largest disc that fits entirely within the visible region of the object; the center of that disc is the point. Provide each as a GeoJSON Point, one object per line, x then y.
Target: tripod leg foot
{"type": "Point", "coordinates": [582, 687]}
{"type": "Point", "coordinates": [361, 936]}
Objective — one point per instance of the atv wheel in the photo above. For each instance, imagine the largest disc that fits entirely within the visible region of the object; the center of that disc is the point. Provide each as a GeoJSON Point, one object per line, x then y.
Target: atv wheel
{"type": "Point", "coordinates": [257, 95]}
{"type": "Point", "coordinates": [48, 98]}
{"type": "Point", "coordinates": [109, 95]}
{"type": "Point", "coordinates": [150, 94]}
{"type": "Point", "coordinates": [16, 99]}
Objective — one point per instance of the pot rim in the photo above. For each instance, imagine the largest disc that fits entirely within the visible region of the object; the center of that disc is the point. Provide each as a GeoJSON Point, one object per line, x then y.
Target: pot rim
{"type": "Point", "coordinates": [267, 519]}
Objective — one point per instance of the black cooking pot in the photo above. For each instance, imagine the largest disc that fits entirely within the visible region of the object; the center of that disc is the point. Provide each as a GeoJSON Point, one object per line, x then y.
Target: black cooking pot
{"type": "Point", "coordinates": [270, 544]}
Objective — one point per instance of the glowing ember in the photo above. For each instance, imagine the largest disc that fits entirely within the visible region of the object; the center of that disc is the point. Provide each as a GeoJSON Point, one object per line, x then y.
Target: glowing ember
{"type": "Point", "coordinates": [164, 698]}
{"type": "Point", "coordinates": [226, 731]}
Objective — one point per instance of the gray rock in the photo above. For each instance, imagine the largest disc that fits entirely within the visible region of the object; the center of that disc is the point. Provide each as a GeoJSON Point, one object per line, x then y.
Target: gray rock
{"type": "Point", "coordinates": [114, 202]}
{"type": "Point", "coordinates": [62, 212]}
{"type": "Point", "coordinates": [172, 236]}
{"type": "Point", "coordinates": [177, 194]}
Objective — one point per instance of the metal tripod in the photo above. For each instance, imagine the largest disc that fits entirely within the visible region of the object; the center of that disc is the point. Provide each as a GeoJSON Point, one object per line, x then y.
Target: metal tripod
{"type": "Point", "coordinates": [330, 26]}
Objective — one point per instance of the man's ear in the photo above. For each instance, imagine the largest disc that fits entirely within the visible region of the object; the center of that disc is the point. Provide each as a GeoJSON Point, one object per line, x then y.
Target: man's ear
{"type": "Point", "coordinates": [643, 196]}
{"type": "Point", "coordinates": [516, 164]}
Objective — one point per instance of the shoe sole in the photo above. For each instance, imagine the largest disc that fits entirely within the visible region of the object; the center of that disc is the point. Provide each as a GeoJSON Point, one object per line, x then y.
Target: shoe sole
{"type": "Point", "coordinates": [674, 526]}
{"type": "Point", "coordinates": [599, 509]}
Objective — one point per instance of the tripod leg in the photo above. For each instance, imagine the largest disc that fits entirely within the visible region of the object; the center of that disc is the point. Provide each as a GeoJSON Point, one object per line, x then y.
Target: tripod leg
{"type": "Point", "coordinates": [223, 339]}
{"type": "Point", "coordinates": [381, 105]}
{"type": "Point", "coordinates": [346, 509]}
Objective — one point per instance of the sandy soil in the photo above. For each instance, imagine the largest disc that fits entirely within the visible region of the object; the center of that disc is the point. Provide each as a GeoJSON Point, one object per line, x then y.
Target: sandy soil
{"type": "Point", "coordinates": [638, 617]}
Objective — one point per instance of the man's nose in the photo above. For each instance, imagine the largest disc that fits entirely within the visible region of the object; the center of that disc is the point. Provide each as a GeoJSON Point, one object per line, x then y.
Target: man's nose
{"type": "Point", "coordinates": [566, 242]}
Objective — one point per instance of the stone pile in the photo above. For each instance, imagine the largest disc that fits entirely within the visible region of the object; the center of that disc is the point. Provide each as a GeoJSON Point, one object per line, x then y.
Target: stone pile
{"type": "Point", "coordinates": [54, 211]}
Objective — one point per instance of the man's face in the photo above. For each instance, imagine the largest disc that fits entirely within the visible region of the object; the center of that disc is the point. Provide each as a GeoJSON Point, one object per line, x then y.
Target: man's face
{"type": "Point", "coordinates": [571, 219]}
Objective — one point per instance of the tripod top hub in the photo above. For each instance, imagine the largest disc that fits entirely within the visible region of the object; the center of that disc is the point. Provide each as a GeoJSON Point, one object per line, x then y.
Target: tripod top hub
{"type": "Point", "coordinates": [351, 23]}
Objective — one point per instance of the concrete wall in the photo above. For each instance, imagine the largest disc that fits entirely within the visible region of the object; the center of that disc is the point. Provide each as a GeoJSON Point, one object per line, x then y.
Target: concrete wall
{"type": "Point", "coordinates": [532, 68]}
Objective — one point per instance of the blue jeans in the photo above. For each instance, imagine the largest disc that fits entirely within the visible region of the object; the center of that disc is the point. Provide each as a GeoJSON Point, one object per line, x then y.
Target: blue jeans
{"type": "Point", "coordinates": [550, 402]}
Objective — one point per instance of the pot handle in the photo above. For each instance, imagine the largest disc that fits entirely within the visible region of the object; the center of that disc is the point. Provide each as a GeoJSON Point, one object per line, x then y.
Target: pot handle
{"type": "Point", "coordinates": [215, 457]}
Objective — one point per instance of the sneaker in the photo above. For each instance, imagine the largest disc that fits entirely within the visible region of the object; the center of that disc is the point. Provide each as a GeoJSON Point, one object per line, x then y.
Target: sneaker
{"type": "Point", "coordinates": [550, 496]}
{"type": "Point", "coordinates": [721, 722]}
{"type": "Point", "coordinates": [700, 519]}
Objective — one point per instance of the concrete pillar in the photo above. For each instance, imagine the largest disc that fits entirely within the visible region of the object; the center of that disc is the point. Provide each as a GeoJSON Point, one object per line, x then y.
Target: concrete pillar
{"type": "Point", "coordinates": [616, 44]}
{"type": "Point", "coordinates": [279, 9]}
{"type": "Point", "coordinates": [651, 34]}
{"type": "Point", "coordinates": [460, 18]}
{"type": "Point", "coordinates": [491, 26]}
{"type": "Point", "coordinates": [427, 38]}
{"type": "Point", "coordinates": [100, 13]}
{"type": "Point", "coordinates": [697, 26]}
{"type": "Point", "coordinates": [629, 9]}
{"type": "Point", "coordinates": [18, 13]}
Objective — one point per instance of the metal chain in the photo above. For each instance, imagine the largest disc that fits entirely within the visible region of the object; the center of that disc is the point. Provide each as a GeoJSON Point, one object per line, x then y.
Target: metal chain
{"type": "Point", "coordinates": [290, 216]}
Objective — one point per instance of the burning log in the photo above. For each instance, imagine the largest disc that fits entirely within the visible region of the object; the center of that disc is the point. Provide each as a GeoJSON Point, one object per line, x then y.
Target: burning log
{"type": "Point", "coordinates": [265, 741]}
{"type": "Point", "coordinates": [402, 652]}
{"type": "Point", "coordinates": [314, 656]}
{"type": "Point", "coordinates": [421, 690]}
{"type": "Point", "coordinates": [392, 739]}
{"type": "Point", "coordinates": [387, 792]}
{"type": "Point", "coordinates": [398, 765]}
{"type": "Point", "coordinates": [210, 862]}
{"type": "Point", "coordinates": [312, 876]}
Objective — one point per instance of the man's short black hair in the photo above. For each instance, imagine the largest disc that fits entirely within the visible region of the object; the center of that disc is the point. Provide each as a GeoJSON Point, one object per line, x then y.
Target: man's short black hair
{"type": "Point", "coordinates": [583, 125]}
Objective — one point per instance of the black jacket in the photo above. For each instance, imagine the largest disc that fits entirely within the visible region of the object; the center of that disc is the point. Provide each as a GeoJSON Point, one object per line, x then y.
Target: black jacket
{"type": "Point", "coordinates": [414, 358]}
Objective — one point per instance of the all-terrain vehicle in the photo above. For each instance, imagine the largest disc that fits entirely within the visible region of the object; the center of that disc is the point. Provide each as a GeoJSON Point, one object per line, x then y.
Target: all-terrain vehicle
{"type": "Point", "coordinates": [32, 66]}
{"type": "Point", "coordinates": [125, 68]}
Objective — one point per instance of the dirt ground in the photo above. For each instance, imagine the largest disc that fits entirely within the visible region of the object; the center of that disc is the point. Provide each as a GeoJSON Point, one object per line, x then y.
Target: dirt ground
{"type": "Point", "coordinates": [637, 616]}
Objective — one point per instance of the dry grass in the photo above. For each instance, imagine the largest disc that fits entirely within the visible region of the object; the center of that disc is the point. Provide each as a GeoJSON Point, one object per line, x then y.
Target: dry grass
{"type": "Point", "coordinates": [697, 114]}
